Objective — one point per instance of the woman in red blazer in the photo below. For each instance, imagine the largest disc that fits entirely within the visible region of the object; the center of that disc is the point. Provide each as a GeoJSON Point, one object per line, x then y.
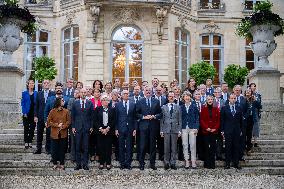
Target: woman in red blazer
{"type": "Point", "coordinates": [210, 124]}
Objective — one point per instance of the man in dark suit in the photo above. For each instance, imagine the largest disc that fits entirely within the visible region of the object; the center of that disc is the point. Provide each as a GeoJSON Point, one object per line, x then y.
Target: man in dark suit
{"type": "Point", "coordinates": [160, 140]}
{"type": "Point", "coordinates": [149, 113]}
{"type": "Point", "coordinates": [48, 107]}
{"type": "Point", "coordinates": [136, 94]}
{"type": "Point", "coordinates": [82, 126]}
{"type": "Point", "coordinates": [41, 100]}
{"type": "Point", "coordinates": [125, 128]}
{"type": "Point", "coordinates": [242, 103]}
{"type": "Point", "coordinates": [231, 129]}
{"type": "Point", "coordinates": [69, 91]}
{"type": "Point", "coordinates": [209, 88]}
{"type": "Point", "coordinates": [225, 93]}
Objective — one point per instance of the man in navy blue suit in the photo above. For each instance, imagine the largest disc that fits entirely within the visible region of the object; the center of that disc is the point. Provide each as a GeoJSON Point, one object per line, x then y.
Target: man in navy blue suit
{"type": "Point", "coordinates": [242, 103]}
{"type": "Point", "coordinates": [148, 111]}
{"type": "Point", "coordinates": [49, 106]}
{"type": "Point", "coordinates": [82, 126]}
{"type": "Point", "coordinates": [231, 129]}
{"type": "Point", "coordinates": [160, 140]}
{"type": "Point", "coordinates": [69, 91]}
{"type": "Point", "coordinates": [125, 128]}
{"type": "Point", "coordinates": [41, 100]}
{"type": "Point", "coordinates": [209, 88]}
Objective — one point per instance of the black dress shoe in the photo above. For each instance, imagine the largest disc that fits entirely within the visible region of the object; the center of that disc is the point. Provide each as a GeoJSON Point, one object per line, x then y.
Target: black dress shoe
{"type": "Point", "coordinates": [85, 167]}
{"type": "Point", "coordinates": [255, 145]}
{"type": "Point", "coordinates": [153, 167]}
{"type": "Point", "coordinates": [38, 151]}
{"type": "Point", "coordinates": [101, 167]}
{"type": "Point", "coordinates": [173, 167]}
{"type": "Point", "coordinates": [167, 166]}
{"type": "Point", "coordinates": [78, 167]}
{"type": "Point", "coordinates": [227, 167]}
{"type": "Point", "coordinates": [237, 167]}
{"type": "Point", "coordinates": [128, 167]}
{"type": "Point", "coordinates": [141, 167]}
{"type": "Point", "coordinates": [122, 167]}
{"type": "Point", "coordinates": [108, 167]}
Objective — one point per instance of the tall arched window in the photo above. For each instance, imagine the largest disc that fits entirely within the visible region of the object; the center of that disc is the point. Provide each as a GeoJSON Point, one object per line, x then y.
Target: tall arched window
{"type": "Point", "coordinates": [35, 45]}
{"type": "Point", "coordinates": [182, 60]}
{"type": "Point", "coordinates": [70, 52]}
{"type": "Point", "coordinates": [127, 50]}
{"type": "Point", "coordinates": [212, 52]}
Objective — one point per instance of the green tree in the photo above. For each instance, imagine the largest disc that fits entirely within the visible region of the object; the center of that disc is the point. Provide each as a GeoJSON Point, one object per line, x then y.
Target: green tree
{"type": "Point", "coordinates": [44, 68]}
{"type": "Point", "coordinates": [235, 75]}
{"type": "Point", "coordinates": [201, 71]}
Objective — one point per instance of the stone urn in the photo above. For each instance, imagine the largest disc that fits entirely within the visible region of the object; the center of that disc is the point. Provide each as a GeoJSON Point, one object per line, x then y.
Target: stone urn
{"type": "Point", "coordinates": [10, 39]}
{"type": "Point", "coordinates": [263, 44]}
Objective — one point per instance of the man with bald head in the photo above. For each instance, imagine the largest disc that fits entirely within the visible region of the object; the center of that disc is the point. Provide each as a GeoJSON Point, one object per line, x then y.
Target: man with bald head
{"type": "Point", "coordinates": [82, 126]}
{"type": "Point", "coordinates": [148, 111]}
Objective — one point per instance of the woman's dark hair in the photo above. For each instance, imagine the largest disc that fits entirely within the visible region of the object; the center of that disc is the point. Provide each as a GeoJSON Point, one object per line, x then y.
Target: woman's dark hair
{"type": "Point", "coordinates": [29, 82]}
{"type": "Point", "coordinates": [79, 82]}
{"type": "Point", "coordinates": [252, 84]}
{"type": "Point", "coordinates": [57, 102]}
{"type": "Point", "coordinates": [101, 84]}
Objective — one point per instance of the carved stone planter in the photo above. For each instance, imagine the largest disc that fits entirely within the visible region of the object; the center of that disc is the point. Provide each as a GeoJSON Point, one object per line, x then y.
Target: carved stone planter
{"type": "Point", "coordinates": [10, 39]}
{"type": "Point", "coordinates": [263, 44]}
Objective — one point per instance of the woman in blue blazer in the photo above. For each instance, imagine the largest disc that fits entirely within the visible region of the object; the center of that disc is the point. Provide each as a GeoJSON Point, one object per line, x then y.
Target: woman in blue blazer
{"type": "Point", "coordinates": [28, 104]}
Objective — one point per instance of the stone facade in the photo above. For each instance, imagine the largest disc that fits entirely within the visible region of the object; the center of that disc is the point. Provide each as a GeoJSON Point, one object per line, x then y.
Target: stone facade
{"type": "Point", "coordinates": [158, 33]}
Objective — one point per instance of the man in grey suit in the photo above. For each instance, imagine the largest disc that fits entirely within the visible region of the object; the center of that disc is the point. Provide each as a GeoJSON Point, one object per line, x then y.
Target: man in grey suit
{"type": "Point", "coordinates": [170, 130]}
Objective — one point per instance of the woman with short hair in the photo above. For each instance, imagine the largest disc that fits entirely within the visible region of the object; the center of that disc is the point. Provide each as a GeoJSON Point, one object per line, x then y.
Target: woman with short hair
{"type": "Point", "coordinates": [59, 120]}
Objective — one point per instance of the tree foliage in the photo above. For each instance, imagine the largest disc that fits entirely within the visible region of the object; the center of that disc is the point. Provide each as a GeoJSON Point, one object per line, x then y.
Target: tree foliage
{"type": "Point", "coordinates": [202, 71]}
{"type": "Point", "coordinates": [44, 68]}
{"type": "Point", "coordinates": [235, 75]}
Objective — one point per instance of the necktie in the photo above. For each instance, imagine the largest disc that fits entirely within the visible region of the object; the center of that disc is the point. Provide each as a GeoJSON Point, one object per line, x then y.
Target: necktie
{"type": "Point", "coordinates": [83, 105]}
{"type": "Point", "coordinates": [45, 95]}
{"type": "Point", "coordinates": [172, 109]}
{"type": "Point", "coordinates": [149, 103]}
{"type": "Point", "coordinates": [233, 110]}
{"type": "Point", "coordinates": [136, 99]}
{"type": "Point", "coordinates": [125, 107]}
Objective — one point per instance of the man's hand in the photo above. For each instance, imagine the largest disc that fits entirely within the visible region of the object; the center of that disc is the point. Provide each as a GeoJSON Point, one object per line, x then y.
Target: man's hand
{"type": "Point", "coordinates": [35, 119]}
{"type": "Point", "coordinates": [116, 133]}
{"type": "Point", "coordinates": [134, 133]}
{"type": "Point", "coordinates": [179, 134]}
{"type": "Point", "coordinates": [213, 130]}
{"type": "Point", "coordinates": [162, 134]}
{"type": "Point", "coordinates": [91, 130]}
{"type": "Point", "coordinates": [73, 131]}
{"type": "Point", "coordinates": [25, 115]}
{"type": "Point", "coordinates": [208, 129]}
{"type": "Point", "coordinates": [60, 125]}
{"type": "Point", "coordinates": [146, 117]}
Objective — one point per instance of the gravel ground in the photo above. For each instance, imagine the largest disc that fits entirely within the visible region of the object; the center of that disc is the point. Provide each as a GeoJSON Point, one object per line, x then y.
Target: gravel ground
{"type": "Point", "coordinates": [145, 181]}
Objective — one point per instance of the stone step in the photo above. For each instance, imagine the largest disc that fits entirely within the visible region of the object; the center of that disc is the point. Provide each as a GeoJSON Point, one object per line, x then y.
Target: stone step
{"type": "Point", "coordinates": [160, 164]}
{"type": "Point", "coordinates": [43, 156]}
{"type": "Point", "coordinates": [16, 148]}
{"type": "Point", "coordinates": [48, 171]}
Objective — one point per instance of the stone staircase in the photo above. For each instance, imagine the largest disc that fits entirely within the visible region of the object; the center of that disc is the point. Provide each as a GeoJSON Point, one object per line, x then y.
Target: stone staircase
{"type": "Point", "coordinates": [268, 158]}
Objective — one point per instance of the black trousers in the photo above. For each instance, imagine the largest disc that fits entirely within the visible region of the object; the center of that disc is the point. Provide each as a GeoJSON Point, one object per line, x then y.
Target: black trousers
{"type": "Point", "coordinates": [92, 144]}
{"type": "Point", "coordinates": [148, 138]}
{"type": "Point", "coordinates": [219, 149]}
{"type": "Point", "coordinates": [249, 133]}
{"type": "Point", "coordinates": [232, 148]}
{"type": "Point", "coordinates": [58, 150]}
{"type": "Point", "coordinates": [209, 150]}
{"type": "Point", "coordinates": [180, 149]}
{"type": "Point", "coordinates": [48, 140]}
{"type": "Point", "coordinates": [200, 145]}
{"type": "Point", "coordinates": [105, 143]}
{"type": "Point", "coordinates": [40, 129]}
{"type": "Point", "coordinates": [29, 129]}
{"type": "Point", "coordinates": [242, 146]}
{"type": "Point", "coordinates": [160, 146]}
{"type": "Point", "coordinates": [116, 146]}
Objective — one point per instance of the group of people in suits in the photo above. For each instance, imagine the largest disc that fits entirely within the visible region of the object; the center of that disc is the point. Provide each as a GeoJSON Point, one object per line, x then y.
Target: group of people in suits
{"type": "Point", "coordinates": [89, 122]}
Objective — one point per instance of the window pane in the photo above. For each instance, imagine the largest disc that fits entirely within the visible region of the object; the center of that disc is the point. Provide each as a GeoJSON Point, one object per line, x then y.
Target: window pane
{"type": "Point", "coordinates": [216, 4]}
{"type": "Point", "coordinates": [217, 40]}
{"type": "Point", "coordinates": [249, 59]}
{"type": "Point", "coordinates": [205, 54]}
{"type": "Point", "coordinates": [248, 42]}
{"type": "Point", "coordinates": [184, 52]}
{"type": "Point", "coordinates": [205, 40]}
{"type": "Point", "coordinates": [75, 60]}
{"type": "Point", "coordinates": [135, 52]}
{"type": "Point", "coordinates": [217, 67]}
{"type": "Point", "coordinates": [43, 36]}
{"type": "Point", "coordinates": [119, 60]}
{"type": "Point", "coordinates": [135, 69]}
{"type": "Point", "coordinates": [184, 37]}
{"type": "Point", "coordinates": [66, 60]}
{"type": "Point", "coordinates": [43, 51]}
{"type": "Point", "coordinates": [75, 32]}
{"type": "Point", "coordinates": [67, 33]}
{"type": "Point", "coordinates": [177, 34]}
{"type": "Point", "coordinates": [31, 38]}
{"type": "Point", "coordinates": [127, 33]}
{"type": "Point", "coordinates": [248, 5]}
{"type": "Point", "coordinates": [216, 54]}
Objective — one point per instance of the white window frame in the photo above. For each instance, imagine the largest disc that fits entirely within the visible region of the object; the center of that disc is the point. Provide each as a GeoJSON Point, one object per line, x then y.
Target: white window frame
{"type": "Point", "coordinates": [37, 44]}
{"type": "Point", "coordinates": [127, 45]}
{"type": "Point", "coordinates": [211, 47]}
{"type": "Point", "coordinates": [181, 43]}
{"type": "Point", "coordinates": [70, 42]}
